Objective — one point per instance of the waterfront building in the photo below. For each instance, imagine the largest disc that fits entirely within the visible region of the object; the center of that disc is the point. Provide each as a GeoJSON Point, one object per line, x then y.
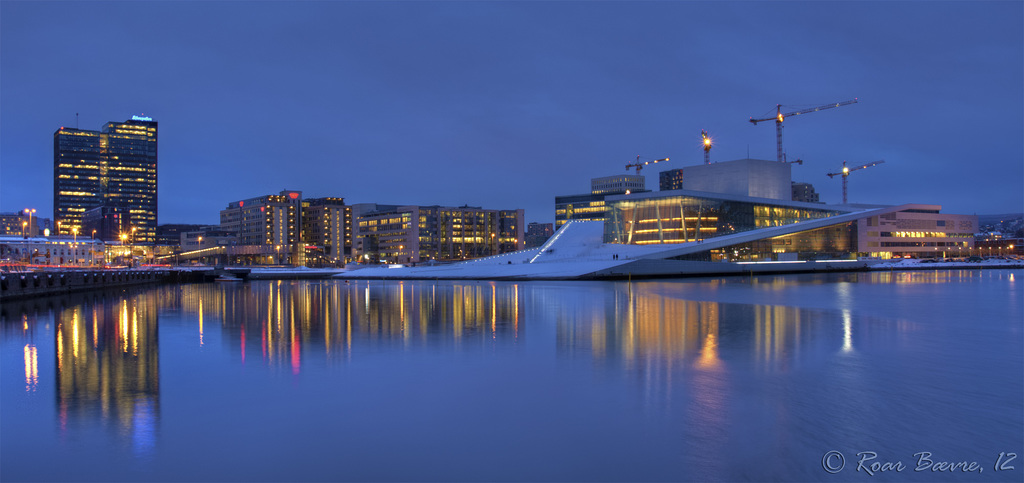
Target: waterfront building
{"type": "Point", "coordinates": [327, 231]}
{"type": "Point", "coordinates": [538, 233]}
{"type": "Point", "coordinates": [808, 242]}
{"type": "Point", "coordinates": [115, 166]}
{"type": "Point", "coordinates": [51, 250]}
{"type": "Point", "coordinates": [681, 217]}
{"type": "Point", "coordinates": [804, 192]}
{"type": "Point", "coordinates": [591, 207]}
{"type": "Point", "coordinates": [918, 232]}
{"type": "Point", "coordinates": [270, 220]}
{"type": "Point", "coordinates": [670, 180]}
{"type": "Point", "coordinates": [418, 234]}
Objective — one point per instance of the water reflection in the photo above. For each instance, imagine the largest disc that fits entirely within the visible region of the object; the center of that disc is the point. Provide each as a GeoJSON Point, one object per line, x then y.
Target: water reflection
{"type": "Point", "coordinates": [106, 359]}
{"type": "Point", "coordinates": [675, 377]}
{"type": "Point", "coordinates": [654, 321]}
{"type": "Point", "coordinates": [108, 366]}
{"type": "Point", "coordinates": [282, 322]}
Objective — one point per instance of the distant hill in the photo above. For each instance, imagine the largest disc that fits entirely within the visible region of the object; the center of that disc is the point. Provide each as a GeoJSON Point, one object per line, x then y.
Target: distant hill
{"type": "Point", "coordinates": [993, 219]}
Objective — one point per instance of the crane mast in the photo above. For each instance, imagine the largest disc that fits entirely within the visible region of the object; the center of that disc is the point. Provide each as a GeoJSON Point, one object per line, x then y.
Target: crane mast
{"type": "Point", "coordinates": [846, 172]}
{"type": "Point", "coordinates": [780, 116]}
{"type": "Point", "coordinates": [707, 146]}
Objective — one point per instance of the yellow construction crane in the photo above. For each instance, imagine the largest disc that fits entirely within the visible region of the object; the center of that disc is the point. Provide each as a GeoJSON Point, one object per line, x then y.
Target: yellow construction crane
{"type": "Point", "coordinates": [638, 165]}
{"type": "Point", "coordinates": [780, 116]}
{"type": "Point", "coordinates": [846, 172]}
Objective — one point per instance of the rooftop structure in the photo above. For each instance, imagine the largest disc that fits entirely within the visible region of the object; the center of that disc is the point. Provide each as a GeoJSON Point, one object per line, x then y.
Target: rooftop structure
{"type": "Point", "coordinates": [756, 178]}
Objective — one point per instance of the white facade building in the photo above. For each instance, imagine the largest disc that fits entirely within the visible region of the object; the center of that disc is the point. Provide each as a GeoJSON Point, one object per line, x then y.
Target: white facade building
{"type": "Point", "coordinates": [53, 250]}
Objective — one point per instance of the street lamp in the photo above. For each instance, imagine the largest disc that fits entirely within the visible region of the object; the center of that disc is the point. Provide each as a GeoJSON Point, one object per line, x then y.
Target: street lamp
{"type": "Point", "coordinates": [74, 244]}
{"type": "Point", "coordinates": [30, 211]}
{"type": "Point", "coordinates": [24, 232]}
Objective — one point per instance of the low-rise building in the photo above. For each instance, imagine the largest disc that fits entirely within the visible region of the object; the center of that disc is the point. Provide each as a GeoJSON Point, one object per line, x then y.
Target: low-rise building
{"type": "Point", "coordinates": [51, 250]}
{"type": "Point", "coordinates": [805, 192]}
{"type": "Point", "coordinates": [419, 234]}
{"type": "Point", "coordinates": [538, 233]}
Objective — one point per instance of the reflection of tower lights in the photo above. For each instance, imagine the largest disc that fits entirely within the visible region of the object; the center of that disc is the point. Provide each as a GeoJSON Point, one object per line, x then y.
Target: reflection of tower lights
{"type": "Point", "coordinates": [31, 368]}
{"type": "Point", "coordinates": [515, 310]}
{"type": "Point", "coordinates": [327, 320]}
{"type": "Point", "coordinates": [74, 334]}
{"type": "Point", "coordinates": [296, 352]}
{"type": "Point", "coordinates": [847, 331]}
{"type": "Point", "coordinates": [709, 353]}
{"type": "Point", "coordinates": [60, 347]}
{"type": "Point", "coordinates": [200, 322]}
{"type": "Point", "coordinates": [135, 331]}
{"type": "Point", "coordinates": [123, 326]}
{"type": "Point", "coordinates": [243, 342]}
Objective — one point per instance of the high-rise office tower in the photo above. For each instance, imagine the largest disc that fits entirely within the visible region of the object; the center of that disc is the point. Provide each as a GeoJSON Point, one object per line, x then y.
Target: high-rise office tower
{"type": "Point", "coordinates": [115, 166]}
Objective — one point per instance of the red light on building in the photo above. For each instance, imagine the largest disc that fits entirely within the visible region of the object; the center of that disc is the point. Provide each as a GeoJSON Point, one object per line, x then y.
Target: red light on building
{"type": "Point", "coordinates": [293, 196]}
{"type": "Point", "coordinates": [241, 204]}
{"type": "Point", "coordinates": [261, 208]}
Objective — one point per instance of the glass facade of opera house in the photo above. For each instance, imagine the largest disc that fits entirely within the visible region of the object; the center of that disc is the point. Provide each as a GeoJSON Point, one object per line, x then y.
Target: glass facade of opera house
{"type": "Point", "coordinates": [641, 220]}
{"type": "Point", "coordinates": [682, 217]}
{"type": "Point", "coordinates": [833, 242]}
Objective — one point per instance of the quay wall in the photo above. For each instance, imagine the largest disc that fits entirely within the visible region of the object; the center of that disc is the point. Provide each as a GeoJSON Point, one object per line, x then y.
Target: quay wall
{"type": "Point", "coordinates": [14, 285]}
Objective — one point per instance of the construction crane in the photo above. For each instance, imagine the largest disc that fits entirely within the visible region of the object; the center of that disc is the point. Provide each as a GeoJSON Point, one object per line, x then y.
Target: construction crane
{"type": "Point", "coordinates": [846, 172]}
{"type": "Point", "coordinates": [780, 116]}
{"type": "Point", "coordinates": [638, 165]}
{"type": "Point", "coordinates": [707, 146]}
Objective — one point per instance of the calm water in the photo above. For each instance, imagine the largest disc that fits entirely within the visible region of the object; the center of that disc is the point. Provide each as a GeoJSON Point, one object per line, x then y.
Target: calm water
{"type": "Point", "coordinates": [699, 379]}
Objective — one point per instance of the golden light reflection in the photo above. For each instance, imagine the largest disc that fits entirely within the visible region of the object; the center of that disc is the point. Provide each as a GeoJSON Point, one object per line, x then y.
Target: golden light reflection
{"type": "Point", "coordinates": [104, 377]}
{"type": "Point", "coordinates": [123, 334]}
{"type": "Point", "coordinates": [135, 331]}
{"type": "Point", "coordinates": [74, 333]}
{"type": "Point", "coordinates": [31, 368]}
{"type": "Point", "coordinates": [323, 317]}
{"type": "Point", "coordinates": [200, 322]}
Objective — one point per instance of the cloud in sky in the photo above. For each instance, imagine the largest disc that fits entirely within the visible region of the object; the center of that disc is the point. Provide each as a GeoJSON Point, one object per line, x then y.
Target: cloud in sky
{"type": "Point", "coordinates": [506, 105]}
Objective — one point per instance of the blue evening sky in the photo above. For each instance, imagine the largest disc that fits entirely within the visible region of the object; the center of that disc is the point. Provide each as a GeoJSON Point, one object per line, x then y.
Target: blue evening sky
{"type": "Point", "coordinates": [508, 104]}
